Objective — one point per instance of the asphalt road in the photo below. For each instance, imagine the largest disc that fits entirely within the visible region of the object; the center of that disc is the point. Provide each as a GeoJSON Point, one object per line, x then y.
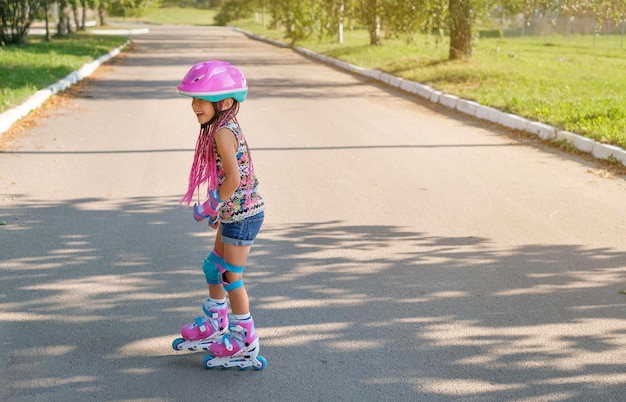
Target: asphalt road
{"type": "Point", "coordinates": [409, 253]}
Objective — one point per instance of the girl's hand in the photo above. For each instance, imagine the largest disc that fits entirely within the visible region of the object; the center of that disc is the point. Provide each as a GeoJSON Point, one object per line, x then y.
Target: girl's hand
{"type": "Point", "coordinates": [210, 208]}
{"type": "Point", "coordinates": [214, 222]}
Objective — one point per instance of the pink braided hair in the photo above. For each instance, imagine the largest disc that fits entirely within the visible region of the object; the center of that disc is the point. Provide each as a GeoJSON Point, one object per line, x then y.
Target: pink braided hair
{"type": "Point", "coordinates": [204, 167]}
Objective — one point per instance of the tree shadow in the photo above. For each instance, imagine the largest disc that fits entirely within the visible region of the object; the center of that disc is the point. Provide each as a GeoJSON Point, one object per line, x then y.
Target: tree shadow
{"type": "Point", "coordinates": [94, 291]}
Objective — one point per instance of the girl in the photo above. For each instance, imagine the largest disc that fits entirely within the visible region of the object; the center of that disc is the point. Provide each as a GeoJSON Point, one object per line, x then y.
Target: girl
{"type": "Point", "coordinates": [222, 163]}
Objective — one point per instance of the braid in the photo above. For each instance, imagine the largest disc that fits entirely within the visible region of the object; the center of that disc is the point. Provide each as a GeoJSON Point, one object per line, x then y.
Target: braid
{"type": "Point", "coordinates": [204, 167]}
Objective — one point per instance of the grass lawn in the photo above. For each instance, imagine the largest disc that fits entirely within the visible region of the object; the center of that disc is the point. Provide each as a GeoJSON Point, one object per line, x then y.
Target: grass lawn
{"type": "Point", "coordinates": [29, 68]}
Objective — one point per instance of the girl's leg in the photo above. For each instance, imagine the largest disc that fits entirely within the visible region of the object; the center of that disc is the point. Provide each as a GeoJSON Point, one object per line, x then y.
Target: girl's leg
{"type": "Point", "coordinates": [215, 322]}
{"type": "Point", "coordinates": [243, 337]}
{"type": "Point", "coordinates": [238, 256]}
{"type": "Point", "coordinates": [217, 292]}
{"type": "Point", "coordinates": [215, 308]}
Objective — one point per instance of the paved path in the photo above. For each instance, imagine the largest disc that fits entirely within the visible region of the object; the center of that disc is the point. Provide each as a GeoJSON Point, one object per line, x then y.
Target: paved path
{"type": "Point", "coordinates": [408, 253]}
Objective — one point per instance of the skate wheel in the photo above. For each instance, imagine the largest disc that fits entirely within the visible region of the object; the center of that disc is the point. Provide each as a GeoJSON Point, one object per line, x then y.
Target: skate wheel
{"type": "Point", "coordinates": [177, 343]}
{"type": "Point", "coordinates": [206, 363]}
{"type": "Point", "coordinates": [261, 363]}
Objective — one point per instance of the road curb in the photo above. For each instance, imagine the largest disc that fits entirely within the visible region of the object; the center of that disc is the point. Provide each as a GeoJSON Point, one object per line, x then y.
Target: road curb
{"type": "Point", "coordinates": [471, 108]}
{"type": "Point", "coordinates": [11, 116]}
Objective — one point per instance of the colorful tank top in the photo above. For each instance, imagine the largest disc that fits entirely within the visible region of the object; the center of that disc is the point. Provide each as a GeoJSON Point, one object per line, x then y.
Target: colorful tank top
{"type": "Point", "coordinates": [246, 201]}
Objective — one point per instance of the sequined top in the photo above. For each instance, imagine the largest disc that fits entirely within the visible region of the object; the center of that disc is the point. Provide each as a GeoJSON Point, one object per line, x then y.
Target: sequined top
{"type": "Point", "coordinates": [245, 201]}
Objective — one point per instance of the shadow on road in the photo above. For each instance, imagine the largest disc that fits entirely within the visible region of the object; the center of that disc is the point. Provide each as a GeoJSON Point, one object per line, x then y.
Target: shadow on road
{"type": "Point", "coordinates": [115, 280]}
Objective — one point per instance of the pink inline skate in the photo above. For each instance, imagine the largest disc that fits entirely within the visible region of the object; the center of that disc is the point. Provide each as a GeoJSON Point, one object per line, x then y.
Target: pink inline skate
{"type": "Point", "coordinates": [238, 348]}
{"type": "Point", "coordinates": [204, 331]}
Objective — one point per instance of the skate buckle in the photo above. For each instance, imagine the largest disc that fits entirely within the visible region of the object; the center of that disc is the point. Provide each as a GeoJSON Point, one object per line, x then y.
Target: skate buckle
{"type": "Point", "coordinates": [227, 343]}
{"type": "Point", "coordinates": [200, 324]}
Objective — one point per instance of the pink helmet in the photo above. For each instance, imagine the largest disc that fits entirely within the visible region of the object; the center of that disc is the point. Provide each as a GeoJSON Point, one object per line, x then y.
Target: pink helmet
{"type": "Point", "coordinates": [214, 80]}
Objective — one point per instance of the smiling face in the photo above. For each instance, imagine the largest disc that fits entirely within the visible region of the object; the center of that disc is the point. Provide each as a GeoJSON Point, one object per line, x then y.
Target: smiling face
{"type": "Point", "coordinates": [203, 109]}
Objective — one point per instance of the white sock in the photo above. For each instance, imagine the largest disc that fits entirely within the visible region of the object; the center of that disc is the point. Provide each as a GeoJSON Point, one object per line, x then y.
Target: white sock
{"type": "Point", "coordinates": [217, 301]}
{"type": "Point", "coordinates": [242, 317]}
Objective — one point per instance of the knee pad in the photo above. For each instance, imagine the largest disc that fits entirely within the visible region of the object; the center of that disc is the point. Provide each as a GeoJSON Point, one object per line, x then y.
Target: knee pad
{"type": "Point", "coordinates": [236, 269]}
{"type": "Point", "coordinates": [211, 267]}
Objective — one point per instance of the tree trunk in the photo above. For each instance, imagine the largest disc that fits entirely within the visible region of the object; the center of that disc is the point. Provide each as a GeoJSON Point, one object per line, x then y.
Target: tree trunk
{"type": "Point", "coordinates": [75, 14]}
{"type": "Point", "coordinates": [370, 15]}
{"type": "Point", "coordinates": [101, 14]}
{"type": "Point", "coordinates": [340, 17]}
{"type": "Point", "coordinates": [46, 5]}
{"type": "Point", "coordinates": [84, 16]}
{"type": "Point", "coordinates": [460, 29]}
{"type": "Point", "coordinates": [63, 19]}
{"type": "Point", "coordinates": [375, 31]}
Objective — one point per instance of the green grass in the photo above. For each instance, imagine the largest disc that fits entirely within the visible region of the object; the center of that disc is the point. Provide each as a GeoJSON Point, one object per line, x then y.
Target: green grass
{"type": "Point", "coordinates": [572, 84]}
{"type": "Point", "coordinates": [29, 68]}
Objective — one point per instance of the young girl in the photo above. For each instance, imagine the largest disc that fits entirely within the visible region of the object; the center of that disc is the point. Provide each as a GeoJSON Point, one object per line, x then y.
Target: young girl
{"type": "Point", "coordinates": [222, 163]}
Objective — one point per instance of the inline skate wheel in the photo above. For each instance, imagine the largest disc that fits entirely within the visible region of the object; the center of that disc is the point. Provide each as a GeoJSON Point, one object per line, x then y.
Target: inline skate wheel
{"type": "Point", "coordinates": [262, 364]}
{"type": "Point", "coordinates": [206, 361]}
{"type": "Point", "coordinates": [177, 343]}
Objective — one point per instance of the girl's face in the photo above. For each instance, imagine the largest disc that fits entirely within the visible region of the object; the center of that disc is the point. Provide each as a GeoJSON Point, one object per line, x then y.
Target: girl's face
{"type": "Point", "coordinates": [203, 109]}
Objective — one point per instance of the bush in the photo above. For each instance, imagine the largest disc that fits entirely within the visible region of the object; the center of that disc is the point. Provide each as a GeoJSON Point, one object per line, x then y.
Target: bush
{"type": "Point", "coordinates": [130, 8]}
{"type": "Point", "coordinates": [191, 3]}
{"type": "Point", "coordinates": [490, 33]}
{"type": "Point", "coordinates": [233, 10]}
{"type": "Point", "coordinates": [15, 17]}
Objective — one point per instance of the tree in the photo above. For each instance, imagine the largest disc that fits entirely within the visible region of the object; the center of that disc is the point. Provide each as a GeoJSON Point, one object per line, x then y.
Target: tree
{"type": "Point", "coordinates": [341, 8]}
{"type": "Point", "coordinates": [404, 17]}
{"type": "Point", "coordinates": [303, 18]}
{"type": "Point", "coordinates": [369, 13]}
{"type": "Point", "coordinates": [46, 12]}
{"type": "Point", "coordinates": [64, 26]}
{"type": "Point", "coordinates": [100, 6]}
{"type": "Point", "coordinates": [461, 19]}
{"type": "Point", "coordinates": [299, 17]}
{"type": "Point", "coordinates": [15, 19]}
{"type": "Point", "coordinates": [234, 10]}
{"type": "Point", "coordinates": [79, 21]}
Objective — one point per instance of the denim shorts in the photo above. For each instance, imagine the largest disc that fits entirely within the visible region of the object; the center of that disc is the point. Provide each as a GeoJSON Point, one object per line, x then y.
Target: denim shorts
{"type": "Point", "coordinates": [242, 233]}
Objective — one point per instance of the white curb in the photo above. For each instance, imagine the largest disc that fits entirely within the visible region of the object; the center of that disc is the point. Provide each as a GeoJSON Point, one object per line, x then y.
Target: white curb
{"type": "Point", "coordinates": [448, 100]}
{"type": "Point", "coordinates": [579, 142]}
{"type": "Point", "coordinates": [467, 107]}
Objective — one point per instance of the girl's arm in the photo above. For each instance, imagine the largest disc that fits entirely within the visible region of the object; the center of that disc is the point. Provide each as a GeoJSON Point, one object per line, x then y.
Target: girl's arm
{"type": "Point", "coordinates": [226, 145]}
